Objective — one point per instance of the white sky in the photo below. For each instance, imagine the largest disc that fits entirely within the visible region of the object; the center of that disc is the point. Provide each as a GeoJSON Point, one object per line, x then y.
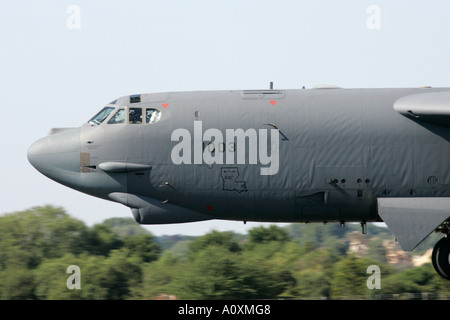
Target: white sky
{"type": "Point", "coordinates": [53, 76]}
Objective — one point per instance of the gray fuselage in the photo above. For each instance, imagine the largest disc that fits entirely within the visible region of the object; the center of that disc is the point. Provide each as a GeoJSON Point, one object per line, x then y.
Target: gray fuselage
{"type": "Point", "coordinates": [339, 150]}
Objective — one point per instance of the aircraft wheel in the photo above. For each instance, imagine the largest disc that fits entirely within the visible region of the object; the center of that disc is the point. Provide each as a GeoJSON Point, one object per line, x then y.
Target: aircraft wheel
{"type": "Point", "coordinates": [441, 258]}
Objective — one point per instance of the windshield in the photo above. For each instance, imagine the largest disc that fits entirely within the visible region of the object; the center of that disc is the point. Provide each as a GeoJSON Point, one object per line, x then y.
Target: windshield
{"type": "Point", "coordinates": [101, 116]}
{"type": "Point", "coordinates": [119, 117]}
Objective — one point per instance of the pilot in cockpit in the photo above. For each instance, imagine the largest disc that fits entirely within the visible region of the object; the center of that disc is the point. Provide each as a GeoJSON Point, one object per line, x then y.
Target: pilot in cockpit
{"type": "Point", "coordinates": [135, 115]}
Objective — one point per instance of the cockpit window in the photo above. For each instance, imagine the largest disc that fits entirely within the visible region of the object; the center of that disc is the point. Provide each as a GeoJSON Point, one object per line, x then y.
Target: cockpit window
{"type": "Point", "coordinates": [152, 115]}
{"type": "Point", "coordinates": [118, 117]}
{"type": "Point", "coordinates": [135, 115]}
{"type": "Point", "coordinates": [101, 116]}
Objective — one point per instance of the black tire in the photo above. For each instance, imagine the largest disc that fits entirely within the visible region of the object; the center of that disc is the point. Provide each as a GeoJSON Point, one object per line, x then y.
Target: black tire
{"type": "Point", "coordinates": [441, 258]}
{"type": "Point", "coordinates": [444, 257]}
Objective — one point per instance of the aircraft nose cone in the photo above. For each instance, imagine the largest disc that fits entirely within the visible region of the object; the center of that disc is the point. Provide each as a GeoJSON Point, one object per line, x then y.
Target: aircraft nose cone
{"type": "Point", "coordinates": [36, 152]}
{"type": "Point", "coordinates": [58, 155]}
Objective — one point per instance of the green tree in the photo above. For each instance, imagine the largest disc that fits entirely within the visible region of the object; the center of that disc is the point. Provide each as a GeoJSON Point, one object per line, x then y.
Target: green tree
{"type": "Point", "coordinates": [311, 235]}
{"type": "Point", "coordinates": [376, 250]}
{"type": "Point", "coordinates": [51, 278]}
{"type": "Point", "coordinates": [124, 275]}
{"type": "Point", "coordinates": [118, 276]}
{"type": "Point", "coordinates": [414, 280]}
{"type": "Point", "coordinates": [218, 268]}
{"type": "Point", "coordinates": [217, 273]}
{"type": "Point", "coordinates": [143, 246]}
{"type": "Point", "coordinates": [350, 277]}
{"type": "Point", "coordinates": [215, 238]}
{"type": "Point", "coordinates": [159, 277]}
{"type": "Point", "coordinates": [100, 240]}
{"type": "Point", "coordinates": [16, 283]}
{"type": "Point", "coordinates": [266, 277]}
{"type": "Point", "coordinates": [312, 284]}
{"type": "Point", "coordinates": [212, 273]}
{"type": "Point", "coordinates": [262, 234]}
{"type": "Point", "coordinates": [29, 236]}
{"type": "Point", "coordinates": [322, 259]}
{"type": "Point", "coordinates": [125, 226]}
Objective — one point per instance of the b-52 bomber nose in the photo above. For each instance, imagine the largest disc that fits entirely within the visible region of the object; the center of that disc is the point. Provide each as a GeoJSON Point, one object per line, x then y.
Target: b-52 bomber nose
{"type": "Point", "coordinates": [57, 156]}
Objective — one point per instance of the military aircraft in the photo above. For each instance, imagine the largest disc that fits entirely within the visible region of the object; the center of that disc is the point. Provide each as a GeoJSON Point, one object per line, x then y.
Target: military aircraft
{"type": "Point", "coordinates": [324, 154]}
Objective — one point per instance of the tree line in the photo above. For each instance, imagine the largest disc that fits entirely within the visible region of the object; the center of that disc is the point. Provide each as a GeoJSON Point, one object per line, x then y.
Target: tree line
{"type": "Point", "coordinates": [118, 259]}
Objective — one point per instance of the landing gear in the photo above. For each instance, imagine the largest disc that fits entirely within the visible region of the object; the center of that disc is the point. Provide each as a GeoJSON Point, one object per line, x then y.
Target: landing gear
{"type": "Point", "coordinates": [441, 257]}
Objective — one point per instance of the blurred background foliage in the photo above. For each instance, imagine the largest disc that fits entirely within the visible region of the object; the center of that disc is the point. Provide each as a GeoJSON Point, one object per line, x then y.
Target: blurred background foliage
{"type": "Point", "coordinates": [119, 259]}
